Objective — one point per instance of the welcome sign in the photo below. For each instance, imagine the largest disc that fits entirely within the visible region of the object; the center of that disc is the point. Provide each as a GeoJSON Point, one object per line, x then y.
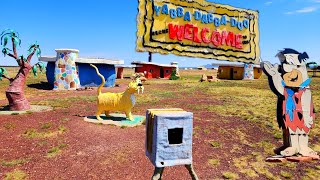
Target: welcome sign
{"type": "Point", "coordinates": [197, 28]}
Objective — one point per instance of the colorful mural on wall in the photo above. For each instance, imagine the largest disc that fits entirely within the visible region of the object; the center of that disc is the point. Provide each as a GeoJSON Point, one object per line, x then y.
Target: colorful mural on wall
{"type": "Point", "coordinates": [68, 71]}
{"type": "Point", "coordinates": [198, 28]}
{"type": "Point", "coordinates": [66, 75]}
{"type": "Point", "coordinates": [248, 72]}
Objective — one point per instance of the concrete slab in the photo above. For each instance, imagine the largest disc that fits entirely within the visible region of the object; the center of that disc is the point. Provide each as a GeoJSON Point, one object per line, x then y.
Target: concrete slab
{"type": "Point", "coordinates": [34, 108]}
{"type": "Point", "coordinates": [117, 119]}
{"type": "Point", "coordinates": [279, 158]}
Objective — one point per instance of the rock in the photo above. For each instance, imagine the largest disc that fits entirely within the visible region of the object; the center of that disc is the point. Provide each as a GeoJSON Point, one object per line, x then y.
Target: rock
{"type": "Point", "coordinates": [203, 78]}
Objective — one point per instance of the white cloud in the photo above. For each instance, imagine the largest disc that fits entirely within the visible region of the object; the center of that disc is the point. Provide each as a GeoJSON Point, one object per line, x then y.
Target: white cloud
{"type": "Point", "coordinates": [269, 2]}
{"type": "Point", "coordinates": [307, 9]}
{"type": "Point", "coordinates": [288, 13]}
{"type": "Point", "coordinates": [303, 10]}
{"type": "Point", "coordinates": [316, 1]}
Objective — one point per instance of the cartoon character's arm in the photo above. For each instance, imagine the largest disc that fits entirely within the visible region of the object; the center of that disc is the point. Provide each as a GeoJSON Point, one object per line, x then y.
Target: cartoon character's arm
{"type": "Point", "coordinates": [306, 102]}
{"type": "Point", "coordinates": [272, 71]}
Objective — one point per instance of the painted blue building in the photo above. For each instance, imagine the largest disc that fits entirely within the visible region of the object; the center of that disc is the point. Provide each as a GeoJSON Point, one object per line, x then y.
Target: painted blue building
{"type": "Point", "coordinates": [60, 77]}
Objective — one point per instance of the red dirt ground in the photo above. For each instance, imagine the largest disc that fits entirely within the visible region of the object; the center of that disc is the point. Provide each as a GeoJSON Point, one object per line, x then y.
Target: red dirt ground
{"type": "Point", "coordinates": [108, 152]}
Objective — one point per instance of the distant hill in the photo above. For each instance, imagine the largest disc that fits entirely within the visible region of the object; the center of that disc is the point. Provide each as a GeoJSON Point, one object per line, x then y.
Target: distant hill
{"type": "Point", "coordinates": [209, 66]}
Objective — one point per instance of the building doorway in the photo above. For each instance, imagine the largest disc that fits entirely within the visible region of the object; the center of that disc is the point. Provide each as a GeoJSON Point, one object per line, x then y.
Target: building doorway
{"type": "Point", "coordinates": [161, 73]}
{"type": "Point", "coordinates": [231, 73]}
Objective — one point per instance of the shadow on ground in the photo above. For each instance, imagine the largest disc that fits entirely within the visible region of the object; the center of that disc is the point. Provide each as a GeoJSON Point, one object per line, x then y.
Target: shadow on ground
{"type": "Point", "coordinates": [41, 86]}
{"type": "Point", "coordinates": [4, 108]}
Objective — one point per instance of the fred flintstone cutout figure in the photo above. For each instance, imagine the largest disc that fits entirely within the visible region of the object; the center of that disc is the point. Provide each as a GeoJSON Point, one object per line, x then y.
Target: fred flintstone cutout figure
{"type": "Point", "coordinates": [295, 111]}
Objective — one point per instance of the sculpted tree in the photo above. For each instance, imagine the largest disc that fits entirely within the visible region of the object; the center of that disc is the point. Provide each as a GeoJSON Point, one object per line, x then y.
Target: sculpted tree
{"type": "Point", "coordinates": [15, 91]}
{"type": "Point", "coordinates": [314, 67]}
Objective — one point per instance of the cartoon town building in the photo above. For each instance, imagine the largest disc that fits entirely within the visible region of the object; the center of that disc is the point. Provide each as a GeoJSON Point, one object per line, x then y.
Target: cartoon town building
{"type": "Point", "coordinates": [154, 70]}
{"type": "Point", "coordinates": [235, 71]}
{"type": "Point", "coordinates": [68, 71]}
{"type": "Point", "coordinates": [120, 70]}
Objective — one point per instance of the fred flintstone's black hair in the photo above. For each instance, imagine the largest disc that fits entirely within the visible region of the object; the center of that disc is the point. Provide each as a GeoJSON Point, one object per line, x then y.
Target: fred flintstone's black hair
{"type": "Point", "coordinates": [302, 56]}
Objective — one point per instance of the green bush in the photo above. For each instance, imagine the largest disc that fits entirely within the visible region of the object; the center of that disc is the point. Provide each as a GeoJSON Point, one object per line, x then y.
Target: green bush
{"type": "Point", "coordinates": [173, 75]}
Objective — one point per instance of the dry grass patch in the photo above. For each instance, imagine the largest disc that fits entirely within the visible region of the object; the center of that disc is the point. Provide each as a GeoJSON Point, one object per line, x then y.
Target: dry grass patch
{"type": "Point", "coordinates": [266, 145]}
{"type": "Point", "coordinates": [54, 151]}
{"type": "Point", "coordinates": [254, 166]}
{"type": "Point", "coordinates": [9, 126]}
{"type": "Point", "coordinates": [244, 167]}
{"type": "Point", "coordinates": [311, 174]}
{"type": "Point", "coordinates": [214, 162]}
{"type": "Point", "coordinates": [13, 162]}
{"type": "Point", "coordinates": [46, 125]}
{"type": "Point", "coordinates": [230, 175]}
{"type": "Point", "coordinates": [215, 144]}
{"type": "Point", "coordinates": [33, 133]}
{"type": "Point", "coordinates": [286, 174]}
{"type": "Point", "coordinates": [15, 175]}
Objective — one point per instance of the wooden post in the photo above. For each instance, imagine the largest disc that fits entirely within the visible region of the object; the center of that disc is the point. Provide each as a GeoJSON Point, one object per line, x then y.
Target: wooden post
{"type": "Point", "coordinates": [150, 57]}
{"type": "Point", "coordinates": [192, 172]}
{"type": "Point", "coordinates": [157, 174]}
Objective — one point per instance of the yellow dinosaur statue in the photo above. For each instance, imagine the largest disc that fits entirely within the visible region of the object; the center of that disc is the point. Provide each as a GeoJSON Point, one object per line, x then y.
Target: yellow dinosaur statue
{"type": "Point", "coordinates": [123, 101]}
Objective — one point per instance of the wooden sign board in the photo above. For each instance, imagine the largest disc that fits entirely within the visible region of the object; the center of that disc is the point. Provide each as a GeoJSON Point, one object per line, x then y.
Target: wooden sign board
{"type": "Point", "coordinates": [197, 28]}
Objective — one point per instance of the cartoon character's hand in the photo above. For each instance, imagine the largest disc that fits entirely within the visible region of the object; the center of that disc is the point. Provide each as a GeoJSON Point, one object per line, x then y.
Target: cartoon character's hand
{"type": "Point", "coordinates": [308, 121]}
{"type": "Point", "coordinates": [269, 68]}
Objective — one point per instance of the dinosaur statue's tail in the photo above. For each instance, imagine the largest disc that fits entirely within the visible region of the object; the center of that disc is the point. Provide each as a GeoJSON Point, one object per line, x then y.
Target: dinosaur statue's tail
{"type": "Point", "coordinates": [102, 78]}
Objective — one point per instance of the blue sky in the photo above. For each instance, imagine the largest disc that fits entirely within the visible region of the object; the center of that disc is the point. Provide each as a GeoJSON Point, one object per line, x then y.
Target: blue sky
{"type": "Point", "coordinates": [105, 28]}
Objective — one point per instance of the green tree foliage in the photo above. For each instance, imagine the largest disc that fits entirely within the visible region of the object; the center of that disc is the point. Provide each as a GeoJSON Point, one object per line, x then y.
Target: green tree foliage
{"type": "Point", "coordinates": [173, 75]}
{"type": "Point", "coordinates": [12, 35]}
{"type": "Point", "coordinates": [2, 72]}
{"type": "Point", "coordinates": [312, 65]}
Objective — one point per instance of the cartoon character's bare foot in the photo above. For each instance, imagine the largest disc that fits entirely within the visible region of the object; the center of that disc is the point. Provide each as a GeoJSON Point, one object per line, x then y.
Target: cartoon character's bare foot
{"type": "Point", "coordinates": [306, 151]}
{"type": "Point", "coordinates": [290, 151]}
{"type": "Point", "coordinates": [279, 149]}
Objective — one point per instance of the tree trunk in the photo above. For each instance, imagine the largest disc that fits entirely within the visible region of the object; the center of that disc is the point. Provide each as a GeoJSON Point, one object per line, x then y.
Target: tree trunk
{"type": "Point", "coordinates": [15, 92]}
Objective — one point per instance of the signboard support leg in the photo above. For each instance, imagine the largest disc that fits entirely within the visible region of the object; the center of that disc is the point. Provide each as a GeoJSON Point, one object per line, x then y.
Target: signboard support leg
{"type": "Point", "coordinates": [192, 172]}
{"type": "Point", "coordinates": [150, 57]}
{"type": "Point", "coordinates": [157, 173]}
